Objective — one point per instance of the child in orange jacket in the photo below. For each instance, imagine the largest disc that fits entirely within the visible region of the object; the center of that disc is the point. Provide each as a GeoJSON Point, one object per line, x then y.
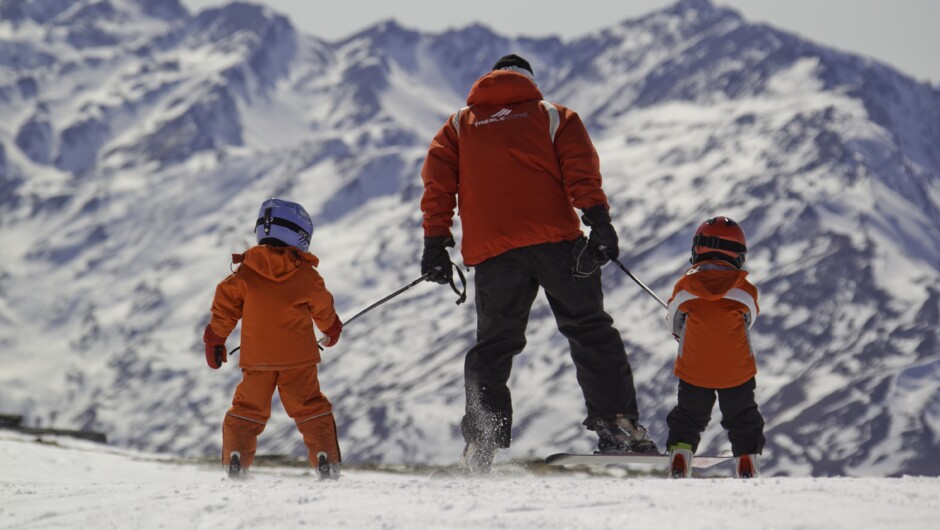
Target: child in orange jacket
{"type": "Point", "coordinates": [711, 311]}
{"type": "Point", "coordinates": [278, 295]}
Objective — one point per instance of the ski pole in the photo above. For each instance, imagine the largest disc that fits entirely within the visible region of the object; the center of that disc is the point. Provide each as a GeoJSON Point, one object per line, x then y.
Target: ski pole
{"type": "Point", "coordinates": [634, 278]}
{"type": "Point", "coordinates": [423, 277]}
{"type": "Point", "coordinates": [380, 302]}
{"type": "Point", "coordinates": [387, 298]}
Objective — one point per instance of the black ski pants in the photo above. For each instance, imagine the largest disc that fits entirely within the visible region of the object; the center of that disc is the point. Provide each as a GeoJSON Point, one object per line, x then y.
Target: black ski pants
{"type": "Point", "coordinates": [506, 286]}
{"type": "Point", "coordinates": [739, 416]}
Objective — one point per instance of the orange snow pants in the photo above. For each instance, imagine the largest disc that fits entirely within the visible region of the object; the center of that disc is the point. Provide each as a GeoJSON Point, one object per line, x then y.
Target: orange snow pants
{"type": "Point", "coordinates": [300, 394]}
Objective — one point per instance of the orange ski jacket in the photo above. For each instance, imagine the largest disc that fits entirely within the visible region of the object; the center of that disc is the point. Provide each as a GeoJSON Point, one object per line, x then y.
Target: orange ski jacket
{"type": "Point", "coordinates": [711, 311]}
{"type": "Point", "coordinates": [514, 165]}
{"type": "Point", "coordinates": [275, 291]}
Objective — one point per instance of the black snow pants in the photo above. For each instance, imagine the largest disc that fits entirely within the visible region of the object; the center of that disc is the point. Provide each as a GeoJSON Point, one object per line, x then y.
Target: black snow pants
{"type": "Point", "coordinates": [506, 286]}
{"type": "Point", "coordinates": [739, 416]}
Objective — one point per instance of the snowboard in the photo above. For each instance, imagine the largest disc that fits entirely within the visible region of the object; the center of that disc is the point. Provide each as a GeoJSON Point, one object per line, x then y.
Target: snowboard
{"type": "Point", "coordinates": [698, 461]}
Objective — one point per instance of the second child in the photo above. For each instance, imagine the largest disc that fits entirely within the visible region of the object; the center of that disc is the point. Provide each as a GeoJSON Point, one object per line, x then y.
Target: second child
{"type": "Point", "coordinates": [712, 309]}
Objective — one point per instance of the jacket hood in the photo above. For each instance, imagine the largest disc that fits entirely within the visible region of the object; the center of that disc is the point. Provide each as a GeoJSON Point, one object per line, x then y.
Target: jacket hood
{"type": "Point", "coordinates": [275, 263]}
{"type": "Point", "coordinates": [712, 280]}
{"type": "Point", "coordinates": [502, 87]}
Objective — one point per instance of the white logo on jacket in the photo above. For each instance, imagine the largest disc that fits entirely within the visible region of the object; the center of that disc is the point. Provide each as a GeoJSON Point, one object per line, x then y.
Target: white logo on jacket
{"type": "Point", "coordinates": [502, 115]}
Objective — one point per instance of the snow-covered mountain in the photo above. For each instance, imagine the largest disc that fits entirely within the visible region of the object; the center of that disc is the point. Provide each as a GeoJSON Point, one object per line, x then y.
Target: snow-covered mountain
{"type": "Point", "coordinates": [137, 141]}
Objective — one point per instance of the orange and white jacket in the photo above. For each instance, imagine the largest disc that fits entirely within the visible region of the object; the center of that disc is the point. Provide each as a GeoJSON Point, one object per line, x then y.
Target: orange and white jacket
{"type": "Point", "coordinates": [711, 311]}
{"type": "Point", "coordinates": [514, 165]}
{"type": "Point", "coordinates": [275, 292]}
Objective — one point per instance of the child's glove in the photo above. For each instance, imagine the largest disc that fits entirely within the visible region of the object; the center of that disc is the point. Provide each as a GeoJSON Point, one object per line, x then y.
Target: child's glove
{"type": "Point", "coordinates": [216, 354]}
{"type": "Point", "coordinates": [332, 333]}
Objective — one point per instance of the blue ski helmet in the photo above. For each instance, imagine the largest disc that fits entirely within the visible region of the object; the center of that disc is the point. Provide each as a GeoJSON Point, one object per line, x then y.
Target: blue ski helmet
{"type": "Point", "coordinates": [285, 221]}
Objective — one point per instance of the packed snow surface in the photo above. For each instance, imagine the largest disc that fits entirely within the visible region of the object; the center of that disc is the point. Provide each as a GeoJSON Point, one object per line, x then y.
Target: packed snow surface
{"type": "Point", "coordinates": [69, 484]}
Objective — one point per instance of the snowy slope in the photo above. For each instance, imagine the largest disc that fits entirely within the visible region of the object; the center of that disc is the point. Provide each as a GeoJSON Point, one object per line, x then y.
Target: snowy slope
{"type": "Point", "coordinates": [69, 485]}
{"type": "Point", "coordinates": [137, 141]}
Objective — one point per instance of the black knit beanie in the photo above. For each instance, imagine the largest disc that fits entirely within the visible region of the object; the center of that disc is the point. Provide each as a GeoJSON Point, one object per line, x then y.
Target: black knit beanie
{"type": "Point", "coordinates": [511, 62]}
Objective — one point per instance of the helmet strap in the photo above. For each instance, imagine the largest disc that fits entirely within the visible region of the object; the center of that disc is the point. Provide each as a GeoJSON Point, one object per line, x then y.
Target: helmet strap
{"type": "Point", "coordinates": [737, 261]}
{"type": "Point", "coordinates": [268, 219]}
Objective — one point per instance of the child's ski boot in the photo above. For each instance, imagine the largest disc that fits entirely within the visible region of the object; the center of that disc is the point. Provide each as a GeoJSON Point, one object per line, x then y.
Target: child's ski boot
{"type": "Point", "coordinates": [746, 466]}
{"type": "Point", "coordinates": [325, 469]}
{"type": "Point", "coordinates": [680, 461]}
{"type": "Point", "coordinates": [235, 471]}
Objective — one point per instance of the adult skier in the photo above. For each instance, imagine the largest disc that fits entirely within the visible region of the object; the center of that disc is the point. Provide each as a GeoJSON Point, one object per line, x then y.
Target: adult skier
{"type": "Point", "coordinates": [518, 167]}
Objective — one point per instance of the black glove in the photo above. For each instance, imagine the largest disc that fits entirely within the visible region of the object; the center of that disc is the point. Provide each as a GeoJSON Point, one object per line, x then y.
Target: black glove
{"type": "Point", "coordinates": [603, 241]}
{"type": "Point", "coordinates": [436, 260]}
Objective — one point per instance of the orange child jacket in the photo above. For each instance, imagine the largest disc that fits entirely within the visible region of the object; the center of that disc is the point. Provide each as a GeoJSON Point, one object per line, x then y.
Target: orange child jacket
{"type": "Point", "coordinates": [711, 310]}
{"type": "Point", "coordinates": [275, 292]}
{"type": "Point", "coordinates": [514, 184]}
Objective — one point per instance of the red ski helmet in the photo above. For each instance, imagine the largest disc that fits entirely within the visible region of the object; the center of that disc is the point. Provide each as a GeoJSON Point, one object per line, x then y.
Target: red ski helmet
{"type": "Point", "coordinates": [719, 238]}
